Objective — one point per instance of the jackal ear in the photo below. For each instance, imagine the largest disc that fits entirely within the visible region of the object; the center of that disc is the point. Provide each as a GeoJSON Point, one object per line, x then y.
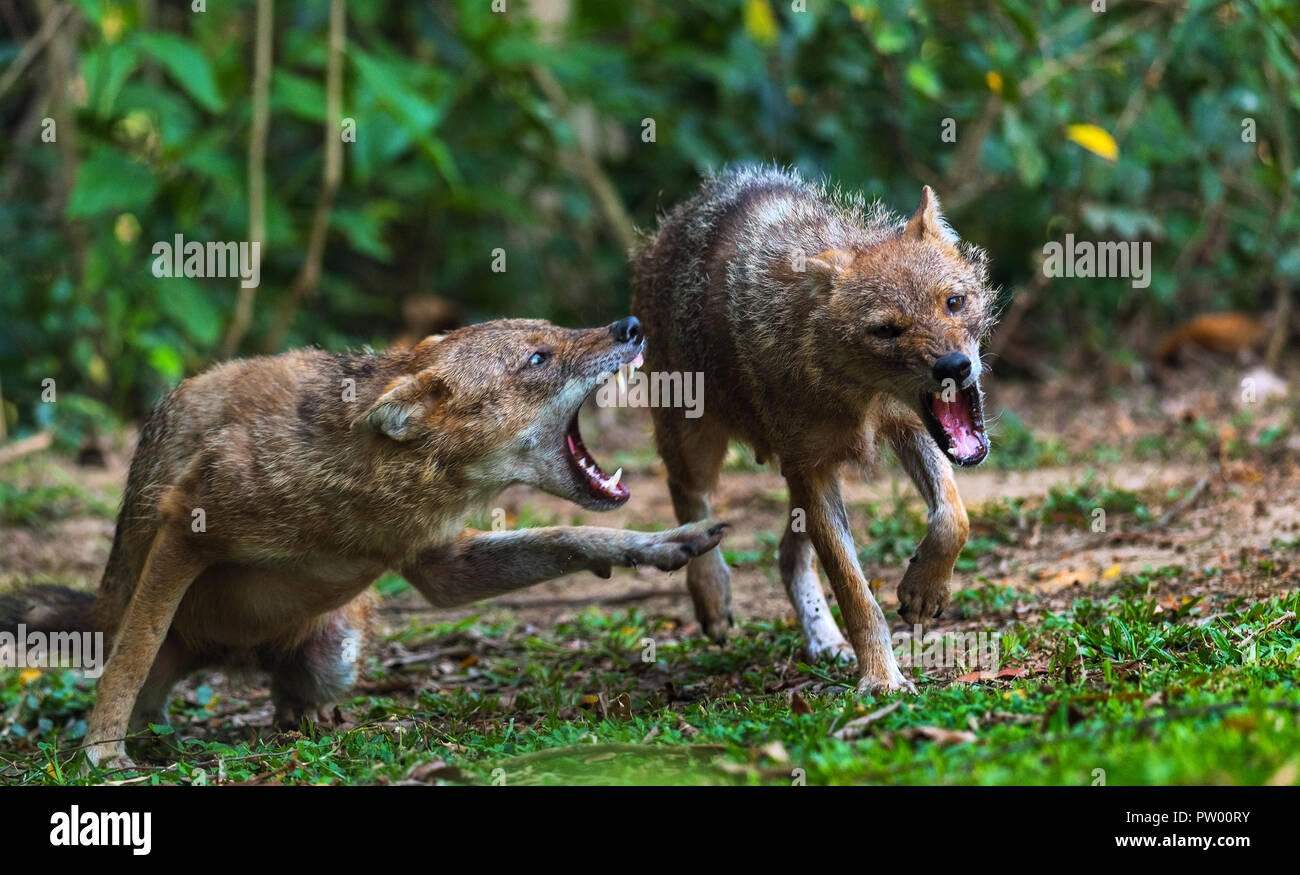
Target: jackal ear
{"type": "Point", "coordinates": [829, 264]}
{"type": "Point", "coordinates": [927, 221]}
{"type": "Point", "coordinates": [396, 413]}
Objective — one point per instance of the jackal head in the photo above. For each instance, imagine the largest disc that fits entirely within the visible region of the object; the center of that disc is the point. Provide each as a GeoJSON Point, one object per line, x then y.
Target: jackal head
{"type": "Point", "coordinates": [500, 400]}
{"type": "Point", "coordinates": [906, 316]}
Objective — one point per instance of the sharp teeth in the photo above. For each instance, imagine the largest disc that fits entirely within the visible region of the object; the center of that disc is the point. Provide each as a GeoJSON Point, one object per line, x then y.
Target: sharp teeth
{"type": "Point", "coordinates": [613, 481]}
{"type": "Point", "coordinates": [631, 372]}
{"type": "Point", "coordinates": [952, 451]}
{"type": "Point", "coordinates": [620, 379]}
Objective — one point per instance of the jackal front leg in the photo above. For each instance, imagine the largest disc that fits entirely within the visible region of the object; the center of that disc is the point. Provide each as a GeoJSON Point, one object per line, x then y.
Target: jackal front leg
{"type": "Point", "coordinates": [480, 565]}
{"type": "Point", "coordinates": [923, 592]}
{"type": "Point", "coordinates": [818, 493]}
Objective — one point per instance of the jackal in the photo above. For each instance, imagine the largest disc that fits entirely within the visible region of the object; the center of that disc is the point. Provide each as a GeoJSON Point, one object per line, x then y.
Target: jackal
{"type": "Point", "coordinates": [822, 325]}
{"type": "Point", "coordinates": [267, 494]}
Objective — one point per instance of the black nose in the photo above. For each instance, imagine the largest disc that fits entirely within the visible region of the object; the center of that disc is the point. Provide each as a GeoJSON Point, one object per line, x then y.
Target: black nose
{"type": "Point", "coordinates": [627, 330]}
{"type": "Point", "coordinates": [953, 366]}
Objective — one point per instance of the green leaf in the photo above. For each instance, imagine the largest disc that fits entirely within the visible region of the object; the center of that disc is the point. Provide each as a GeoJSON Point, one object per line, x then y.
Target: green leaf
{"type": "Point", "coordinates": [923, 79]}
{"type": "Point", "coordinates": [106, 68]}
{"type": "Point", "coordinates": [298, 95]}
{"type": "Point", "coordinates": [187, 66]}
{"type": "Point", "coordinates": [167, 362]}
{"type": "Point", "coordinates": [109, 180]}
{"type": "Point", "coordinates": [188, 303]}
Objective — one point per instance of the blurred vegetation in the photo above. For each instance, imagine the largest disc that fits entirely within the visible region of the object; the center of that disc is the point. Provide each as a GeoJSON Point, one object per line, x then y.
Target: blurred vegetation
{"type": "Point", "coordinates": [527, 131]}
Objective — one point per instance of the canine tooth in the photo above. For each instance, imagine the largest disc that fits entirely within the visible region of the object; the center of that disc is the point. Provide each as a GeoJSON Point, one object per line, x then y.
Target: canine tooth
{"type": "Point", "coordinates": [631, 371]}
{"type": "Point", "coordinates": [620, 379]}
{"type": "Point", "coordinates": [613, 481]}
{"type": "Point", "coordinates": [952, 451]}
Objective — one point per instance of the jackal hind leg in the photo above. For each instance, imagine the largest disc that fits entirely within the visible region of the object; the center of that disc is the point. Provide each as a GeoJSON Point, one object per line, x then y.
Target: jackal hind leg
{"type": "Point", "coordinates": [171, 567]}
{"type": "Point", "coordinates": [822, 638]}
{"type": "Point", "coordinates": [311, 676]}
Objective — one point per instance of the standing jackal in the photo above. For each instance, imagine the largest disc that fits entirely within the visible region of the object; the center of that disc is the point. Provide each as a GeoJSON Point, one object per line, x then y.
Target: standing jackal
{"type": "Point", "coordinates": [822, 326]}
{"type": "Point", "coordinates": [267, 494]}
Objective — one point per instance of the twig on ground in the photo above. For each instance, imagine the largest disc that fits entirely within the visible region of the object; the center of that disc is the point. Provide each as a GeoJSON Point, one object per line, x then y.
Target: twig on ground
{"type": "Point", "coordinates": [1285, 618]}
{"type": "Point", "coordinates": [1183, 504]}
{"type": "Point", "coordinates": [25, 447]}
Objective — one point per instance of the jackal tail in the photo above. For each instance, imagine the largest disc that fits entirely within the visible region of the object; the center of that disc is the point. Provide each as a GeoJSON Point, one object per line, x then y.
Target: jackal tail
{"type": "Point", "coordinates": [47, 608]}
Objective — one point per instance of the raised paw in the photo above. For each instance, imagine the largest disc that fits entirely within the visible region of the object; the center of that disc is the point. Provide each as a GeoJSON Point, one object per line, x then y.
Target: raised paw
{"type": "Point", "coordinates": [922, 594]}
{"type": "Point", "coordinates": [670, 550]}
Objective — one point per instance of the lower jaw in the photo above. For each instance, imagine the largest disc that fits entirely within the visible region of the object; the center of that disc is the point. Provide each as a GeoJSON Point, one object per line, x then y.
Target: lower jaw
{"type": "Point", "coordinates": [944, 442]}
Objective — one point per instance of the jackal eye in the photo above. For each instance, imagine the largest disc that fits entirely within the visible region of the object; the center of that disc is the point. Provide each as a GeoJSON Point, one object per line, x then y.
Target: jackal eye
{"type": "Point", "coordinates": [537, 358]}
{"type": "Point", "coordinates": [886, 332]}
{"type": "Point", "coordinates": [956, 303]}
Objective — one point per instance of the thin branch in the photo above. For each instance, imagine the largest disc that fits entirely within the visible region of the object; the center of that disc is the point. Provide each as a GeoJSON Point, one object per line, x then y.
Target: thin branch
{"type": "Point", "coordinates": [33, 46]}
{"type": "Point", "coordinates": [308, 278]}
{"type": "Point", "coordinates": [243, 317]}
{"type": "Point", "coordinates": [584, 165]}
{"type": "Point", "coordinates": [1286, 170]}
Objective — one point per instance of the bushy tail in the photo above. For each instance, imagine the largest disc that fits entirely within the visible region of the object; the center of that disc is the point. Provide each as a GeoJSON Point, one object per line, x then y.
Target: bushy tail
{"type": "Point", "coordinates": [42, 608]}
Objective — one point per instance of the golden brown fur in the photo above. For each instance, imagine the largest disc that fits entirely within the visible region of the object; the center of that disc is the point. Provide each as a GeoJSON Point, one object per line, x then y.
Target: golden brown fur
{"type": "Point", "coordinates": [822, 326]}
{"type": "Point", "coordinates": [267, 494]}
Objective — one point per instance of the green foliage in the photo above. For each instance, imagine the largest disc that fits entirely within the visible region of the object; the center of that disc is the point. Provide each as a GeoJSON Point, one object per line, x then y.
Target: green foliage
{"type": "Point", "coordinates": [460, 150]}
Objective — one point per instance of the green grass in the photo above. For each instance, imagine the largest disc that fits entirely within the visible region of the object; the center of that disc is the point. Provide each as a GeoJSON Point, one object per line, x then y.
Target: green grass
{"type": "Point", "coordinates": [1147, 687]}
{"type": "Point", "coordinates": [31, 504]}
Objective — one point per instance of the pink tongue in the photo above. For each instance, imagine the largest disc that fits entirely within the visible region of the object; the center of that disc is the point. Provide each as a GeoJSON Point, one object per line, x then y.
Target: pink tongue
{"type": "Point", "coordinates": [955, 417]}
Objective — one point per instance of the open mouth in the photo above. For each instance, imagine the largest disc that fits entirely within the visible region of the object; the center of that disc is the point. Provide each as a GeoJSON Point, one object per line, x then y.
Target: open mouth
{"type": "Point", "coordinates": [602, 486]}
{"type": "Point", "coordinates": [957, 425]}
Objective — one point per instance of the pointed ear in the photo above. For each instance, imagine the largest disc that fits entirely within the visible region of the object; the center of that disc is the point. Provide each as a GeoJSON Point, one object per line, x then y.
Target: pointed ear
{"type": "Point", "coordinates": [927, 221]}
{"type": "Point", "coordinates": [830, 263]}
{"type": "Point", "coordinates": [399, 411]}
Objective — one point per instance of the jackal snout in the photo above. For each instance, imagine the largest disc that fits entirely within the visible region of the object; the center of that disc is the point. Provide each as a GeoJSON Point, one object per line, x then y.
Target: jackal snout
{"type": "Point", "coordinates": [954, 366]}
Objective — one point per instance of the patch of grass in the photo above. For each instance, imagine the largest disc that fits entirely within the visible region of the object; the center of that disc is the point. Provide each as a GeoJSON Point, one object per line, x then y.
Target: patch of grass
{"type": "Point", "coordinates": [1144, 689]}
{"type": "Point", "coordinates": [1080, 502]}
{"type": "Point", "coordinates": [27, 505]}
{"type": "Point", "coordinates": [892, 533]}
{"type": "Point", "coordinates": [989, 598]}
{"type": "Point", "coordinates": [764, 555]}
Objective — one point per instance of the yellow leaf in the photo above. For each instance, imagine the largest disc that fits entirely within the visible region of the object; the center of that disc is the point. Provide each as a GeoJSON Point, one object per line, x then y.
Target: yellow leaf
{"type": "Point", "coordinates": [1113, 571]}
{"type": "Point", "coordinates": [28, 676]}
{"type": "Point", "coordinates": [760, 22]}
{"type": "Point", "coordinates": [112, 23]}
{"type": "Point", "coordinates": [1094, 139]}
{"type": "Point", "coordinates": [994, 80]}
